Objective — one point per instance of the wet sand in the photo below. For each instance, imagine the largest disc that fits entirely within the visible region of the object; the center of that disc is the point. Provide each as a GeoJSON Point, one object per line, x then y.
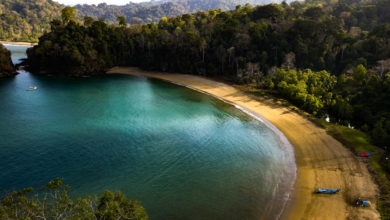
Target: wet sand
{"type": "Point", "coordinates": [321, 160]}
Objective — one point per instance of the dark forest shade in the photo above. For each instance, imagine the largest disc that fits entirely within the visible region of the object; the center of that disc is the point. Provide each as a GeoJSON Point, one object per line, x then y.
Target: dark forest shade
{"type": "Point", "coordinates": [7, 68]}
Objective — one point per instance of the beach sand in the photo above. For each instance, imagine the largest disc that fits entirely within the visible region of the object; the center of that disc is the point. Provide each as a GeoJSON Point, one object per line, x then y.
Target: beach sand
{"type": "Point", "coordinates": [18, 43]}
{"type": "Point", "coordinates": [321, 160]}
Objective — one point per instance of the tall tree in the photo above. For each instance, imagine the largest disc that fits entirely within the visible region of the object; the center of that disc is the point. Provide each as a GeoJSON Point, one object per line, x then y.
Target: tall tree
{"type": "Point", "coordinates": [68, 14]}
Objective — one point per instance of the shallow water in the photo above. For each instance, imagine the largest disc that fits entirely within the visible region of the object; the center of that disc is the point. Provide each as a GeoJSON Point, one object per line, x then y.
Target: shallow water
{"type": "Point", "coordinates": [184, 154]}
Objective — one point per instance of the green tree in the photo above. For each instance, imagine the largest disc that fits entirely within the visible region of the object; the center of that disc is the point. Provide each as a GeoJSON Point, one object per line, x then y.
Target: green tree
{"type": "Point", "coordinates": [359, 75]}
{"type": "Point", "coordinates": [53, 202]}
{"type": "Point", "coordinates": [379, 134]}
{"type": "Point", "coordinates": [314, 13]}
{"type": "Point", "coordinates": [88, 20]}
{"type": "Point", "coordinates": [68, 14]}
{"type": "Point", "coordinates": [122, 20]}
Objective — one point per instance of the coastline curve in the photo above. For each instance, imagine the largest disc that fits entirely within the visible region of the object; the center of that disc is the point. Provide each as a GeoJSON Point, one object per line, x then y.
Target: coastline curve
{"type": "Point", "coordinates": [321, 161]}
{"type": "Point", "coordinates": [290, 169]}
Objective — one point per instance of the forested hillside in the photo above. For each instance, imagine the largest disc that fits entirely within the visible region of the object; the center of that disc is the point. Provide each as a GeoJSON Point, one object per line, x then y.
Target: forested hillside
{"type": "Point", "coordinates": [312, 58]}
{"type": "Point", "coordinates": [362, 15]}
{"type": "Point", "coordinates": [152, 11]}
{"type": "Point", "coordinates": [26, 20]}
{"type": "Point", "coordinates": [7, 68]}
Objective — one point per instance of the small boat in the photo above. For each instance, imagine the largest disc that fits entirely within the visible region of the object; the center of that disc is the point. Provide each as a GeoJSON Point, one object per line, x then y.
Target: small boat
{"type": "Point", "coordinates": [31, 88]}
{"type": "Point", "coordinates": [323, 190]}
{"type": "Point", "coordinates": [365, 154]}
{"type": "Point", "coordinates": [363, 203]}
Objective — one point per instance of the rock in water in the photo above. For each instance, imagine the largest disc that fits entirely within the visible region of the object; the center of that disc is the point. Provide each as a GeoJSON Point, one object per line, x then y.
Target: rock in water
{"type": "Point", "coordinates": [7, 68]}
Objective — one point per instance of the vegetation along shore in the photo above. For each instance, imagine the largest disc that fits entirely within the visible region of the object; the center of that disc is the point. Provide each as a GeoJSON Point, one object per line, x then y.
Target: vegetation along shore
{"type": "Point", "coordinates": [54, 202]}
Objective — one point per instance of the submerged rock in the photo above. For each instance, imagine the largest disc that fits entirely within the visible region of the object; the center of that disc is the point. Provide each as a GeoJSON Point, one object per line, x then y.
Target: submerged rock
{"type": "Point", "coordinates": [7, 68]}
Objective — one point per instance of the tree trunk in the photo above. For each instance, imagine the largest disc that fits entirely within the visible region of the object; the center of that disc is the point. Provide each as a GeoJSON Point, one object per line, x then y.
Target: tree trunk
{"type": "Point", "coordinates": [203, 53]}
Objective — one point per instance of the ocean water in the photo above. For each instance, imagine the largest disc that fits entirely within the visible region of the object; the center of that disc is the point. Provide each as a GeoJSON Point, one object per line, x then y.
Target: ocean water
{"type": "Point", "coordinates": [184, 154]}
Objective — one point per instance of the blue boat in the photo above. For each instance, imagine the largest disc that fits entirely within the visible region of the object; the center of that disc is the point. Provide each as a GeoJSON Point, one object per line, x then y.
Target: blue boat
{"type": "Point", "coordinates": [322, 190]}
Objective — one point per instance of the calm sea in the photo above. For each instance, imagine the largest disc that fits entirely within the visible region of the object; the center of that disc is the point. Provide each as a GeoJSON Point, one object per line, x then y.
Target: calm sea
{"type": "Point", "coordinates": [184, 154]}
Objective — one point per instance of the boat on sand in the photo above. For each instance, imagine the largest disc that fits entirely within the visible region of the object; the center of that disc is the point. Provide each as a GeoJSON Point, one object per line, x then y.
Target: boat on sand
{"type": "Point", "coordinates": [323, 190]}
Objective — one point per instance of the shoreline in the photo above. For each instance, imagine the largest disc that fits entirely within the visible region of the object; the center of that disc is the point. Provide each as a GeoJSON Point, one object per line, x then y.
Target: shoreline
{"type": "Point", "coordinates": [14, 43]}
{"type": "Point", "coordinates": [290, 168]}
{"type": "Point", "coordinates": [320, 159]}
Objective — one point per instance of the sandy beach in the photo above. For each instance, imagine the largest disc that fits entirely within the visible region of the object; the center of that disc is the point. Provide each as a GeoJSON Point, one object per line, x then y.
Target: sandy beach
{"type": "Point", "coordinates": [18, 43]}
{"type": "Point", "coordinates": [321, 160]}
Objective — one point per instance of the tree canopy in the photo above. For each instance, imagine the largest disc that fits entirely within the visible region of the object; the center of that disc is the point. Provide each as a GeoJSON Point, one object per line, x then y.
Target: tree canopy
{"type": "Point", "coordinates": [23, 20]}
{"type": "Point", "coordinates": [53, 202]}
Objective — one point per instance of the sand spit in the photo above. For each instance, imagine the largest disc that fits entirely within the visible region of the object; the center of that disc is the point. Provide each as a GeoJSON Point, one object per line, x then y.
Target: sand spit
{"type": "Point", "coordinates": [18, 43]}
{"type": "Point", "coordinates": [321, 160]}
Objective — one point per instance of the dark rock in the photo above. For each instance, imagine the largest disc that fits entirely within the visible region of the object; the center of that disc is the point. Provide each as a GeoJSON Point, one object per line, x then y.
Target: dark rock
{"type": "Point", "coordinates": [7, 68]}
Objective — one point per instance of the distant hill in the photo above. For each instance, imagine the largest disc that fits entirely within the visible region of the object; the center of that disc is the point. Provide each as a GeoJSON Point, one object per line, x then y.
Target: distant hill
{"type": "Point", "coordinates": [152, 11]}
{"type": "Point", "coordinates": [27, 20]}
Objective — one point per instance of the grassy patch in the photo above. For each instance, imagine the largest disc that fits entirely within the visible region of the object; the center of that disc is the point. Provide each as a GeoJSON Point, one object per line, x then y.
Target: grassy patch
{"type": "Point", "coordinates": [358, 142]}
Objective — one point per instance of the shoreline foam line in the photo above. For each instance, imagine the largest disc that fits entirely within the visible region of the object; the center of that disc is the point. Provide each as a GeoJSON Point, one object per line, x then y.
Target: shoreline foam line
{"type": "Point", "coordinates": [290, 168]}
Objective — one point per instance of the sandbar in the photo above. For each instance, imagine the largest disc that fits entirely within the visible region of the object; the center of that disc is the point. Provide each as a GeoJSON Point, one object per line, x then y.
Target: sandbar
{"type": "Point", "coordinates": [18, 43]}
{"type": "Point", "coordinates": [321, 160]}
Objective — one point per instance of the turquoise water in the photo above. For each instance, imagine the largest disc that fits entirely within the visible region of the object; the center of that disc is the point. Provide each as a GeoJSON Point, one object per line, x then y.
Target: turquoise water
{"type": "Point", "coordinates": [184, 154]}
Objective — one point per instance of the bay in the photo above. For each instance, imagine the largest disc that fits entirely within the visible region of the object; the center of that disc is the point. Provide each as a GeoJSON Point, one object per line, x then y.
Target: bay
{"type": "Point", "coordinates": [184, 154]}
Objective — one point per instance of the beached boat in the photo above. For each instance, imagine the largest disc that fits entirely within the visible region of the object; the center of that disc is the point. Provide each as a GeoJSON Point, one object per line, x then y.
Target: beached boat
{"type": "Point", "coordinates": [322, 190]}
{"type": "Point", "coordinates": [365, 203]}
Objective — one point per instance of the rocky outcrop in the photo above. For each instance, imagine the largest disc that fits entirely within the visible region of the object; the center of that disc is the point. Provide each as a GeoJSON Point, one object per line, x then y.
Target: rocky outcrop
{"type": "Point", "coordinates": [7, 68]}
